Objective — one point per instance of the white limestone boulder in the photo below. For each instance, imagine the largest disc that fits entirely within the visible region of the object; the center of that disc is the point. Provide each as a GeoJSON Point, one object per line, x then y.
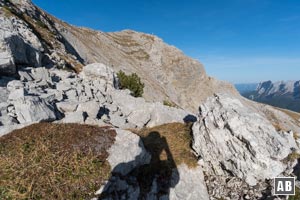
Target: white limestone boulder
{"type": "Point", "coordinates": [233, 139]}
{"type": "Point", "coordinates": [128, 148]}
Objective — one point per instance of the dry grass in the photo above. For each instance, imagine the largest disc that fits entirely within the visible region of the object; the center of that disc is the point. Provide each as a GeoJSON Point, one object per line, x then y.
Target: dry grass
{"type": "Point", "coordinates": [139, 54]}
{"type": "Point", "coordinates": [170, 104]}
{"type": "Point", "coordinates": [54, 161]}
{"type": "Point", "coordinates": [178, 139]}
{"type": "Point", "coordinates": [294, 115]}
{"type": "Point", "coordinates": [7, 11]}
{"type": "Point", "coordinates": [123, 40]}
{"type": "Point", "coordinates": [291, 157]}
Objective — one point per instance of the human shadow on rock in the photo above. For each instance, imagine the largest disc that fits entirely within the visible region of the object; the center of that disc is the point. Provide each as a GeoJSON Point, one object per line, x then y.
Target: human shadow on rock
{"type": "Point", "coordinates": [147, 181]}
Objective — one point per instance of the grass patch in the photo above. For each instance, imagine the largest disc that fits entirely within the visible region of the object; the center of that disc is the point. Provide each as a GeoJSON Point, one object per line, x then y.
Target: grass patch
{"type": "Point", "coordinates": [296, 196]}
{"type": "Point", "coordinates": [291, 157]}
{"type": "Point", "coordinates": [169, 146]}
{"type": "Point", "coordinates": [7, 11]}
{"type": "Point", "coordinates": [169, 103]}
{"type": "Point", "coordinates": [178, 138]}
{"type": "Point", "coordinates": [292, 114]}
{"type": "Point", "coordinates": [41, 24]}
{"type": "Point", "coordinates": [54, 161]}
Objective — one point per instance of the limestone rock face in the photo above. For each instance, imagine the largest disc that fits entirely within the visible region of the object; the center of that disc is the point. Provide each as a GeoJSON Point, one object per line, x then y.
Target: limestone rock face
{"type": "Point", "coordinates": [196, 187]}
{"type": "Point", "coordinates": [33, 109]}
{"type": "Point", "coordinates": [100, 71]}
{"type": "Point", "coordinates": [44, 94]}
{"type": "Point", "coordinates": [129, 149]}
{"type": "Point", "coordinates": [233, 139]}
{"type": "Point", "coordinates": [18, 45]}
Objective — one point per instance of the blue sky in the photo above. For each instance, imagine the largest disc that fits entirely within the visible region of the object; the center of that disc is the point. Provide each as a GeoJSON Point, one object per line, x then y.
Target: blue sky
{"type": "Point", "coordinates": [241, 41]}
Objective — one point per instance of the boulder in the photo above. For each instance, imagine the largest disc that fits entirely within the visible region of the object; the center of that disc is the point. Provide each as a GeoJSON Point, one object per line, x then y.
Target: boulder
{"type": "Point", "coordinates": [67, 106]}
{"type": "Point", "coordinates": [91, 108]}
{"type": "Point", "coordinates": [33, 109]}
{"type": "Point", "coordinates": [128, 148]}
{"type": "Point", "coordinates": [14, 85]}
{"type": "Point", "coordinates": [3, 94]}
{"type": "Point", "coordinates": [74, 117]}
{"type": "Point", "coordinates": [232, 139]}
{"type": "Point", "coordinates": [5, 119]}
{"type": "Point", "coordinates": [164, 114]}
{"type": "Point", "coordinates": [25, 76]}
{"type": "Point", "coordinates": [191, 184]}
{"type": "Point", "coordinates": [100, 71]}
{"type": "Point", "coordinates": [41, 74]}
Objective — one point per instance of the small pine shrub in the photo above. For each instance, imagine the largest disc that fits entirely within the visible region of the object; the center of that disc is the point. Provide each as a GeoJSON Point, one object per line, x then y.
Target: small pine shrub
{"type": "Point", "coordinates": [131, 82]}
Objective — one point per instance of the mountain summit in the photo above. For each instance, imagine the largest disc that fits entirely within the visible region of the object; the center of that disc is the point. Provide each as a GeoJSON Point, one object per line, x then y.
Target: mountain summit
{"type": "Point", "coordinates": [168, 74]}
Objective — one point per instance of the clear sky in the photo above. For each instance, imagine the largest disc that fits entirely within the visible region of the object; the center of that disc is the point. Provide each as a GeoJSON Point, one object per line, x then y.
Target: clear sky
{"type": "Point", "coordinates": [240, 41]}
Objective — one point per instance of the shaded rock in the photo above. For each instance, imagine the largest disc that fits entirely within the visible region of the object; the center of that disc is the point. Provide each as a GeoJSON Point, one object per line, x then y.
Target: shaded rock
{"type": "Point", "coordinates": [41, 74]}
{"type": "Point", "coordinates": [100, 71]}
{"type": "Point", "coordinates": [91, 108]}
{"type": "Point", "coordinates": [25, 76]}
{"type": "Point", "coordinates": [3, 94]}
{"type": "Point", "coordinates": [15, 94]}
{"type": "Point", "coordinates": [67, 106]}
{"type": "Point", "coordinates": [7, 65]}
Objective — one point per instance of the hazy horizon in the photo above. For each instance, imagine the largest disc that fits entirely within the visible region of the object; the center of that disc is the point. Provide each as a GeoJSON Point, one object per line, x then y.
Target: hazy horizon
{"type": "Point", "coordinates": [238, 41]}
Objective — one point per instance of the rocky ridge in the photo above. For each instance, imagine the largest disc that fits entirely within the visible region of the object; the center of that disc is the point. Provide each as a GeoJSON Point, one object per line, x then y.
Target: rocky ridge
{"type": "Point", "coordinates": [282, 94]}
{"type": "Point", "coordinates": [231, 135]}
{"type": "Point", "coordinates": [46, 41]}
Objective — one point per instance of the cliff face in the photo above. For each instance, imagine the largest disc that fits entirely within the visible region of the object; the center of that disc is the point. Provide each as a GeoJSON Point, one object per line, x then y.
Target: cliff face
{"type": "Point", "coordinates": [167, 73]}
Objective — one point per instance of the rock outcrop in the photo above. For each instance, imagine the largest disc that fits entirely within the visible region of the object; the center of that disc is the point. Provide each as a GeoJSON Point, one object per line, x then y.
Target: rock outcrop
{"type": "Point", "coordinates": [91, 98]}
{"type": "Point", "coordinates": [233, 139]}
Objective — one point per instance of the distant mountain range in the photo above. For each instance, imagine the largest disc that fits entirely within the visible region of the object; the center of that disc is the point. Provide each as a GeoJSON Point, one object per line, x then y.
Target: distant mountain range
{"type": "Point", "coordinates": [283, 94]}
{"type": "Point", "coordinates": [246, 87]}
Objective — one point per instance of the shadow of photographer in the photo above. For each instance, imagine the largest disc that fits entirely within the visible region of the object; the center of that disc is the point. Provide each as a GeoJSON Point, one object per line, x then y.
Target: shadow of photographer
{"type": "Point", "coordinates": [153, 180]}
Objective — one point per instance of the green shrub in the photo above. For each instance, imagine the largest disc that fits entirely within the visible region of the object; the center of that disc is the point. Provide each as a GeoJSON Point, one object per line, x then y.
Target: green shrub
{"type": "Point", "coordinates": [41, 24]}
{"type": "Point", "coordinates": [131, 82]}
